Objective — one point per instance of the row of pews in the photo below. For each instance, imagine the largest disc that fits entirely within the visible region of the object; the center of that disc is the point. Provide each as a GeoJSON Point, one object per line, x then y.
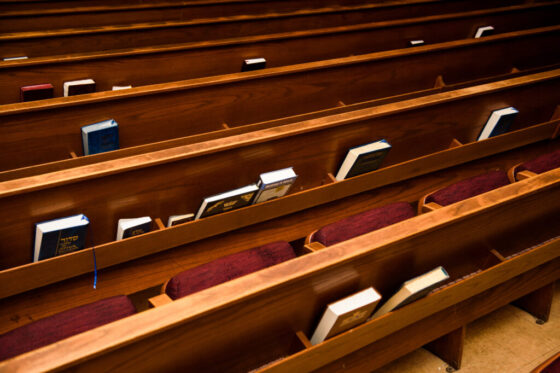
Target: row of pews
{"type": "Point", "coordinates": [339, 74]}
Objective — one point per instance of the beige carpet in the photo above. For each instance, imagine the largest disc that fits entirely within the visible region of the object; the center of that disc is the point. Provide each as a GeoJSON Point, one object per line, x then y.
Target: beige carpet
{"type": "Point", "coordinates": [507, 340]}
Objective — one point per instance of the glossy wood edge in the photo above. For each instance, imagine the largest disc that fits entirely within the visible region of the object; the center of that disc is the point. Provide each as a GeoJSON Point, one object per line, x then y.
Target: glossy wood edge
{"type": "Point", "coordinates": [161, 5]}
{"type": "Point", "coordinates": [107, 338]}
{"type": "Point", "coordinates": [67, 266]}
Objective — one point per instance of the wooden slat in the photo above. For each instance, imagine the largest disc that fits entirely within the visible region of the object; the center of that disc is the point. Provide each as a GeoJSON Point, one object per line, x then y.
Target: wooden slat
{"type": "Point", "coordinates": [45, 43]}
{"type": "Point", "coordinates": [117, 14]}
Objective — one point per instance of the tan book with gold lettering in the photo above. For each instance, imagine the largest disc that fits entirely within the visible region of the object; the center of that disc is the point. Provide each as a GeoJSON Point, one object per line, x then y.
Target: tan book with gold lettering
{"type": "Point", "coordinates": [345, 314]}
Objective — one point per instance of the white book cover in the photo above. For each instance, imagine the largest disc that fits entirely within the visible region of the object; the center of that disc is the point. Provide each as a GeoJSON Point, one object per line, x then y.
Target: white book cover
{"type": "Point", "coordinates": [275, 184]}
{"type": "Point", "coordinates": [67, 85]}
{"type": "Point", "coordinates": [483, 31]}
{"type": "Point", "coordinates": [413, 289]}
{"type": "Point", "coordinates": [345, 314]}
{"type": "Point", "coordinates": [255, 61]}
{"type": "Point", "coordinates": [227, 201]}
{"type": "Point", "coordinates": [121, 87]}
{"type": "Point", "coordinates": [414, 43]}
{"type": "Point", "coordinates": [15, 58]}
{"type": "Point", "coordinates": [133, 227]}
{"type": "Point", "coordinates": [498, 122]}
{"type": "Point", "coordinates": [363, 158]}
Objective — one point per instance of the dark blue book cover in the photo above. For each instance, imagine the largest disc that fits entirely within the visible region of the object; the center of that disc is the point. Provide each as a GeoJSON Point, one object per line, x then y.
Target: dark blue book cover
{"type": "Point", "coordinates": [100, 137]}
{"type": "Point", "coordinates": [60, 236]}
{"type": "Point", "coordinates": [137, 230]}
{"type": "Point", "coordinates": [498, 123]}
{"type": "Point", "coordinates": [363, 158]}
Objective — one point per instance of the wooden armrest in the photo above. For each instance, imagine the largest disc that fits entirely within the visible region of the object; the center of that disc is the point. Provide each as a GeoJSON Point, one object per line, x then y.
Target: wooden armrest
{"type": "Point", "coordinates": [525, 175]}
{"type": "Point", "coordinates": [430, 206]}
{"type": "Point", "coordinates": [314, 246]}
{"type": "Point", "coordinates": [160, 300]}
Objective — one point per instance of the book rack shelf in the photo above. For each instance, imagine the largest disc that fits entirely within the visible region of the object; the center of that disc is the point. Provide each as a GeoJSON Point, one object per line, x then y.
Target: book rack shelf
{"type": "Point", "coordinates": [136, 66]}
{"type": "Point", "coordinates": [291, 296]}
{"type": "Point", "coordinates": [102, 184]}
{"type": "Point", "coordinates": [201, 106]}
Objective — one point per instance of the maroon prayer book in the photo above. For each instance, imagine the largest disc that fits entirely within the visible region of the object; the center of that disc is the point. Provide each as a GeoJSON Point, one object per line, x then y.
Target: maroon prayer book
{"type": "Point", "coordinates": [36, 92]}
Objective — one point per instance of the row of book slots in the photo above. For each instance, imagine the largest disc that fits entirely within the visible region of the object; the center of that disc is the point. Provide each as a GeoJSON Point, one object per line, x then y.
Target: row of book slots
{"type": "Point", "coordinates": [83, 86]}
{"type": "Point", "coordinates": [44, 91]}
{"type": "Point", "coordinates": [67, 234]}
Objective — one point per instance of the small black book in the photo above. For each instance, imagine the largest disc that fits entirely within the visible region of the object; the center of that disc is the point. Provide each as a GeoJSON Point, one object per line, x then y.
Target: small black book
{"type": "Point", "coordinates": [498, 123]}
{"type": "Point", "coordinates": [363, 158]}
{"type": "Point", "coordinates": [133, 227]}
{"type": "Point", "coordinates": [79, 87]}
{"type": "Point", "coordinates": [253, 64]}
{"type": "Point", "coordinates": [227, 201]}
{"type": "Point", "coordinates": [483, 31]}
{"type": "Point", "coordinates": [36, 92]}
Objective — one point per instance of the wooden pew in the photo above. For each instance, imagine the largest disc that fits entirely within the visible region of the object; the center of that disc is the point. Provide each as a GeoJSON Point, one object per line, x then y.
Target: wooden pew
{"type": "Point", "coordinates": [193, 60]}
{"type": "Point", "coordinates": [274, 310]}
{"type": "Point", "coordinates": [35, 5]}
{"type": "Point", "coordinates": [162, 112]}
{"type": "Point", "coordinates": [14, 20]}
{"type": "Point", "coordinates": [57, 42]}
{"type": "Point", "coordinates": [108, 191]}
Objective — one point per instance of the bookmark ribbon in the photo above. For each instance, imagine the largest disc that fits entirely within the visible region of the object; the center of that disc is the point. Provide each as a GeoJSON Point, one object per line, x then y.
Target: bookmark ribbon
{"type": "Point", "coordinates": [94, 269]}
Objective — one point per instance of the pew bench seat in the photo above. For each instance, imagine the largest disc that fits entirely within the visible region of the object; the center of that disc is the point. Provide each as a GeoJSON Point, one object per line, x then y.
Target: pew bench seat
{"type": "Point", "coordinates": [63, 325]}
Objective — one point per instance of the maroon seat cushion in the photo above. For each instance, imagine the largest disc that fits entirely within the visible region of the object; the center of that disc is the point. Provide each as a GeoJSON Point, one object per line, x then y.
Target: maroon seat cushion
{"type": "Point", "coordinates": [362, 223]}
{"type": "Point", "coordinates": [469, 188]}
{"type": "Point", "coordinates": [63, 325]}
{"type": "Point", "coordinates": [228, 268]}
{"type": "Point", "coordinates": [542, 164]}
{"type": "Point", "coordinates": [553, 367]}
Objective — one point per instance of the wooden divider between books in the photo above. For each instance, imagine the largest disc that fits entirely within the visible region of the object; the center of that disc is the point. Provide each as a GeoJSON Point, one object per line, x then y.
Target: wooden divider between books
{"type": "Point", "coordinates": [118, 14]}
{"type": "Point", "coordinates": [45, 43]}
{"type": "Point", "coordinates": [99, 181]}
{"type": "Point", "coordinates": [290, 296]}
{"type": "Point", "coordinates": [202, 105]}
{"type": "Point", "coordinates": [136, 66]}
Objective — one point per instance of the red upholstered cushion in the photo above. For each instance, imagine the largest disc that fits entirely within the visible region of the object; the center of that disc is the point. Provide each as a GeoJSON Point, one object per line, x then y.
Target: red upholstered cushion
{"type": "Point", "coordinates": [469, 188]}
{"type": "Point", "coordinates": [553, 367]}
{"type": "Point", "coordinates": [542, 164]}
{"type": "Point", "coordinates": [228, 268]}
{"type": "Point", "coordinates": [63, 325]}
{"type": "Point", "coordinates": [362, 223]}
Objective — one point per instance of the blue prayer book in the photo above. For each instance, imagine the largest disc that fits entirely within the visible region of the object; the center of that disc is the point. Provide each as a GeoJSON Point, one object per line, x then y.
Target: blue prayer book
{"type": "Point", "coordinates": [60, 236]}
{"type": "Point", "coordinates": [100, 137]}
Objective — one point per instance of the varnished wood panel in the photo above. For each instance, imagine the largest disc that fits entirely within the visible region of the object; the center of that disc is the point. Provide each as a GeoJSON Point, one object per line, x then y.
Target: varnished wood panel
{"type": "Point", "coordinates": [99, 14]}
{"type": "Point", "coordinates": [48, 43]}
